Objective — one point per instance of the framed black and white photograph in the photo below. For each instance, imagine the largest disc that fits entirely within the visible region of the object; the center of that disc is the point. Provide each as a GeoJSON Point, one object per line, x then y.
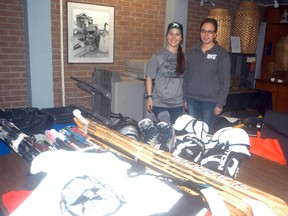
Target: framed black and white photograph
{"type": "Point", "coordinates": [90, 33]}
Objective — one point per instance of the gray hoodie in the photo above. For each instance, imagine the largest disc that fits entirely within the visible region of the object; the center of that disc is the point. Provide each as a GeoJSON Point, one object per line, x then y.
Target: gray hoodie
{"type": "Point", "coordinates": [207, 75]}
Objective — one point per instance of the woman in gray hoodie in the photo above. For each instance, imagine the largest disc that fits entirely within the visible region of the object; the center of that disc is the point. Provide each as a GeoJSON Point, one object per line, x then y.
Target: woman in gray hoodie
{"type": "Point", "coordinates": [207, 76]}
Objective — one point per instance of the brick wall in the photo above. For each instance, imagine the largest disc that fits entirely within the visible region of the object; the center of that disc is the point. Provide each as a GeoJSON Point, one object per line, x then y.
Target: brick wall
{"type": "Point", "coordinates": [13, 82]}
{"type": "Point", "coordinates": [138, 32]}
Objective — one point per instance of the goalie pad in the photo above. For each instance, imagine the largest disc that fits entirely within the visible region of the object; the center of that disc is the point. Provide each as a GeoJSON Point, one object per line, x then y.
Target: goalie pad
{"type": "Point", "coordinates": [223, 161]}
{"type": "Point", "coordinates": [234, 139]}
{"type": "Point", "coordinates": [190, 148]}
{"type": "Point", "coordinates": [188, 125]}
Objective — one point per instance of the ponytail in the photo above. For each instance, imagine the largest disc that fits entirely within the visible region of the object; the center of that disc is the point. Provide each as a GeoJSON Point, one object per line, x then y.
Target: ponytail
{"type": "Point", "coordinates": [180, 62]}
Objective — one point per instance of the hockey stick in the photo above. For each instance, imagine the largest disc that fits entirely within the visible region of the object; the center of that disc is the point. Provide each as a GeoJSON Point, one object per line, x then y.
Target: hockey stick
{"type": "Point", "coordinates": [231, 191]}
{"type": "Point", "coordinates": [158, 166]}
{"type": "Point", "coordinates": [166, 166]}
{"type": "Point", "coordinates": [216, 204]}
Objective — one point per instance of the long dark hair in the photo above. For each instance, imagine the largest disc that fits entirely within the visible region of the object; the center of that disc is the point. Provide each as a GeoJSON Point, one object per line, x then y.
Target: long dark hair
{"type": "Point", "coordinates": [180, 67]}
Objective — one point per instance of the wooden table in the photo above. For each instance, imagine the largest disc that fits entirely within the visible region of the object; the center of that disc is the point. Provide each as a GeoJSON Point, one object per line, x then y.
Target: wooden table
{"type": "Point", "coordinates": [266, 175]}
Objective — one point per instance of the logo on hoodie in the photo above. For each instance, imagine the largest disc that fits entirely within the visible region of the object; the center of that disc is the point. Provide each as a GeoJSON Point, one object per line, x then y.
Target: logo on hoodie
{"type": "Point", "coordinates": [211, 56]}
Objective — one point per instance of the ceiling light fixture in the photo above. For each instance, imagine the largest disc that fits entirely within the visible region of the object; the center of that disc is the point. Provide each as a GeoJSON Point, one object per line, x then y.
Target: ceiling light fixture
{"type": "Point", "coordinates": [276, 4]}
{"type": "Point", "coordinates": [202, 2]}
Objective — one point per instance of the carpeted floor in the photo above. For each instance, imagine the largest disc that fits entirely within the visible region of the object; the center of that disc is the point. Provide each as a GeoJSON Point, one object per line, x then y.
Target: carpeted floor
{"type": "Point", "coordinates": [13, 175]}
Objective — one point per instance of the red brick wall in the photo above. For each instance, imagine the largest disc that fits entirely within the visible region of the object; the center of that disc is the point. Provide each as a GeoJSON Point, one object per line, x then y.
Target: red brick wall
{"type": "Point", "coordinates": [13, 82]}
{"type": "Point", "coordinates": [138, 32]}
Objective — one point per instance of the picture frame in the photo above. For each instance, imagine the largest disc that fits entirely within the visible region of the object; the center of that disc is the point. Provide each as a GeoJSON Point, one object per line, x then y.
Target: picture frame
{"type": "Point", "coordinates": [90, 31]}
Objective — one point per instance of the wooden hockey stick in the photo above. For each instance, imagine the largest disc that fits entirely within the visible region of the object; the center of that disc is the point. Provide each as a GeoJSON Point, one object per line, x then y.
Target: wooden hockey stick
{"type": "Point", "coordinates": [155, 163]}
{"type": "Point", "coordinates": [231, 191]}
